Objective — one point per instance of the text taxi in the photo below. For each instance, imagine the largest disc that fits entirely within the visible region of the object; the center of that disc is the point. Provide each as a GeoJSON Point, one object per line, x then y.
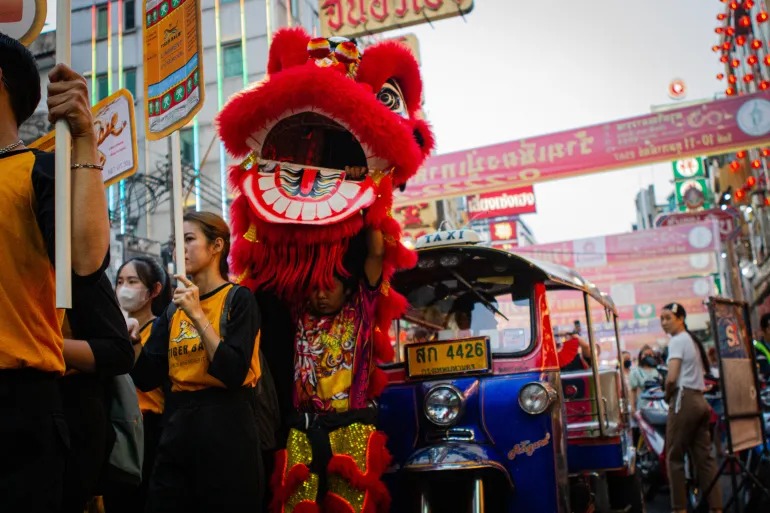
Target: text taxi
{"type": "Point", "coordinates": [478, 412]}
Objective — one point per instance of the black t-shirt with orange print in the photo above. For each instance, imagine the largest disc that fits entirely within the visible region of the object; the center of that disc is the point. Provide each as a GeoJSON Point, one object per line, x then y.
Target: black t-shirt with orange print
{"type": "Point", "coordinates": [175, 349]}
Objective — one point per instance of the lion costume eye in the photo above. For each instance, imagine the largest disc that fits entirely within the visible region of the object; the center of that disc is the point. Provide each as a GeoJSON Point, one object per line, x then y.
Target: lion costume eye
{"type": "Point", "coordinates": [390, 95]}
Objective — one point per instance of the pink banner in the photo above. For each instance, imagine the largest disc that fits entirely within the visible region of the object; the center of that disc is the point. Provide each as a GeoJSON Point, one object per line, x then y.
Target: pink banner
{"type": "Point", "coordinates": [711, 128]}
{"type": "Point", "coordinates": [653, 269]}
{"type": "Point", "coordinates": [628, 247]}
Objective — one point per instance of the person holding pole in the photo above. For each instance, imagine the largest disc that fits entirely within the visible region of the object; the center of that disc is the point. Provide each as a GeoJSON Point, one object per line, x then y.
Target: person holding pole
{"type": "Point", "coordinates": [33, 433]}
{"type": "Point", "coordinates": [207, 345]}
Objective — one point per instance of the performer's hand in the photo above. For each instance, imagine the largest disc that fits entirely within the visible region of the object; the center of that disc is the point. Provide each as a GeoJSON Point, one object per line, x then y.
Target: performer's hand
{"type": "Point", "coordinates": [355, 172]}
{"type": "Point", "coordinates": [187, 297]}
{"type": "Point", "coordinates": [68, 100]}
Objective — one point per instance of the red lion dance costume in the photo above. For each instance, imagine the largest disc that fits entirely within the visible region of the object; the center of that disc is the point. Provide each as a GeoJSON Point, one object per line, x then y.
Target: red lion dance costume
{"type": "Point", "coordinates": [325, 106]}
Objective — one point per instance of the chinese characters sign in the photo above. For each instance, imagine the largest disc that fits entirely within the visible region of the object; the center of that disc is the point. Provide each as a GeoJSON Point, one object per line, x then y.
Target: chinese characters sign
{"type": "Point", "coordinates": [173, 65]}
{"type": "Point", "coordinates": [707, 129]}
{"type": "Point", "coordinates": [352, 18]}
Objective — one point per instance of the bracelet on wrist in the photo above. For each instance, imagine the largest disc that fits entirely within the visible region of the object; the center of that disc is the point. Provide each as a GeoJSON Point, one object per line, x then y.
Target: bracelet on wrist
{"type": "Point", "coordinates": [87, 166]}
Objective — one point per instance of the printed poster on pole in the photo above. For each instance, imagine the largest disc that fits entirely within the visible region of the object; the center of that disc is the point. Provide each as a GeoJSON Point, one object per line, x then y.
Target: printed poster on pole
{"type": "Point", "coordinates": [173, 65]}
{"type": "Point", "coordinates": [115, 128]}
{"type": "Point", "coordinates": [22, 20]}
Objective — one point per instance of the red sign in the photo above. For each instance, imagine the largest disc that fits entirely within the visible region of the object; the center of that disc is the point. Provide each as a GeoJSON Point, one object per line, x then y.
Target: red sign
{"type": "Point", "coordinates": [707, 129]}
{"type": "Point", "coordinates": [628, 247]}
{"type": "Point", "coordinates": [503, 231]}
{"type": "Point", "coordinates": [728, 220]}
{"type": "Point", "coordinates": [498, 204]}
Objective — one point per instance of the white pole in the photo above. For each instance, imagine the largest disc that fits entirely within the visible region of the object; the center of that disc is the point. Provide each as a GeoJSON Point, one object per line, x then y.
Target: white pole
{"type": "Point", "coordinates": [176, 190]}
{"type": "Point", "coordinates": [63, 186]}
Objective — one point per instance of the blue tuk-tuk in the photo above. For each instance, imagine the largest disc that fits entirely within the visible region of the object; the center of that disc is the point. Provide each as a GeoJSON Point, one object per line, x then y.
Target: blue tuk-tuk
{"type": "Point", "coordinates": [479, 413]}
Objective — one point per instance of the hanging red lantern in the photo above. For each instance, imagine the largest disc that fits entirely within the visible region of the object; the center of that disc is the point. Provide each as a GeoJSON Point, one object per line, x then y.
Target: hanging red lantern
{"type": "Point", "coordinates": [734, 5]}
{"type": "Point", "coordinates": [715, 48]}
{"type": "Point", "coordinates": [748, 77]}
{"type": "Point", "coordinates": [740, 40]}
{"type": "Point", "coordinates": [765, 152]}
{"type": "Point", "coordinates": [740, 194]}
{"type": "Point", "coordinates": [741, 154]}
{"type": "Point", "coordinates": [730, 31]}
{"type": "Point", "coordinates": [744, 21]}
{"type": "Point", "coordinates": [756, 44]}
{"type": "Point", "coordinates": [762, 17]}
{"type": "Point", "coordinates": [721, 16]}
{"type": "Point", "coordinates": [730, 91]}
{"type": "Point", "coordinates": [735, 165]}
{"type": "Point", "coordinates": [764, 85]}
{"type": "Point", "coordinates": [748, 4]}
{"type": "Point", "coordinates": [732, 79]}
{"type": "Point", "coordinates": [756, 164]}
{"type": "Point", "coordinates": [767, 60]}
{"type": "Point", "coordinates": [751, 181]}
{"type": "Point", "coordinates": [719, 30]}
{"type": "Point", "coordinates": [720, 76]}
{"type": "Point", "coordinates": [735, 63]}
{"type": "Point", "coordinates": [723, 58]}
{"type": "Point", "coordinates": [752, 60]}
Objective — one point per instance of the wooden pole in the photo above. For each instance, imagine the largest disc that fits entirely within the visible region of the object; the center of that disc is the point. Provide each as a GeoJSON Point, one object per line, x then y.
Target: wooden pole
{"type": "Point", "coordinates": [63, 185]}
{"type": "Point", "coordinates": [178, 193]}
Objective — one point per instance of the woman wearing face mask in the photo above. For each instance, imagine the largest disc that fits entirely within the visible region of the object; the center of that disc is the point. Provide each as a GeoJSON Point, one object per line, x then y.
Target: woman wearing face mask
{"type": "Point", "coordinates": [645, 371]}
{"type": "Point", "coordinates": [687, 428]}
{"type": "Point", "coordinates": [144, 292]}
{"type": "Point", "coordinates": [206, 344]}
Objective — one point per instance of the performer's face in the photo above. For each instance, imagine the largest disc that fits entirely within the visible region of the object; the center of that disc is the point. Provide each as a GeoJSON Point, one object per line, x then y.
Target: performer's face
{"type": "Point", "coordinates": [327, 302]}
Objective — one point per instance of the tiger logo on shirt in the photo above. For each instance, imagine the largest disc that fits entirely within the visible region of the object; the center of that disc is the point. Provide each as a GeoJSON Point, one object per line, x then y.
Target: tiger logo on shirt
{"type": "Point", "coordinates": [186, 332]}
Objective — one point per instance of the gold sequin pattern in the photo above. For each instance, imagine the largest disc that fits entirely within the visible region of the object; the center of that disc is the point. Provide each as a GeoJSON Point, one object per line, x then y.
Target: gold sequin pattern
{"type": "Point", "coordinates": [299, 452]}
{"type": "Point", "coordinates": [298, 448]}
{"type": "Point", "coordinates": [307, 491]}
{"type": "Point", "coordinates": [250, 161]}
{"type": "Point", "coordinates": [385, 287]}
{"type": "Point", "coordinates": [354, 496]}
{"type": "Point", "coordinates": [352, 440]}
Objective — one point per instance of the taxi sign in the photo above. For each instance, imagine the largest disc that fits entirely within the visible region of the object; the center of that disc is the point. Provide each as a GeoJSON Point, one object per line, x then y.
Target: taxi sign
{"type": "Point", "coordinates": [448, 357]}
{"type": "Point", "coordinates": [447, 238]}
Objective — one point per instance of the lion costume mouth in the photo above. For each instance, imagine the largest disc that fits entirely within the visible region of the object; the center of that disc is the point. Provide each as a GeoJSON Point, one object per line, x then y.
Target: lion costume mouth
{"type": "Point", "coordinates": [296, 171]}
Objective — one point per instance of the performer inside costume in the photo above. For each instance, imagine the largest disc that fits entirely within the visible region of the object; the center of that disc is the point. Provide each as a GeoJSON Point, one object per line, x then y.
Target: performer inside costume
{"type": "Point", "coordinates": [326, 138]}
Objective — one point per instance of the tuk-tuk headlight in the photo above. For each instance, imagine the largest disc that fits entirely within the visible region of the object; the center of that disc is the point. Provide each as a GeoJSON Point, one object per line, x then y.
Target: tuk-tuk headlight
{"type": "Point", "coordinates": [443, 405]}
{"type": "Point", "coordinates": [535, 398]}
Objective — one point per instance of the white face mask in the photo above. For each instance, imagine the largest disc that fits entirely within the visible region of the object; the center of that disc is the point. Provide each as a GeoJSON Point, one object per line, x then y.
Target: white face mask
{"type": "Point", "coordinates": [131, 299]}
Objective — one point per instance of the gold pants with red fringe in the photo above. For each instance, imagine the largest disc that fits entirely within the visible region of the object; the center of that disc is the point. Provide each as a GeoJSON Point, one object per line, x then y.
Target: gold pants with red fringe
{"type": "Point", "coordinates": [354, 472]}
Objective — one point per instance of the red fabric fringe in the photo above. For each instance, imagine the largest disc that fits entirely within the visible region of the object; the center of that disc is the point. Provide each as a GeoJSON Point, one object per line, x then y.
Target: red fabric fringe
{"type": "Point", "coordinates": [378, 380]}
{"type": "Point", "coordinates": [284, 485]}
{"type": "Point", "coordinates": [377, 460]}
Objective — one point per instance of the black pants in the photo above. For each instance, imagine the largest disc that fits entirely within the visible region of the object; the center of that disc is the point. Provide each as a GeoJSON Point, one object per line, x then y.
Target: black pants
{"type": "Point", "coordinates": [209, 459]}
{"type": "Point", "coordinates": [125, 498]}
{"type": "Point", "coordinates": [33, 442]}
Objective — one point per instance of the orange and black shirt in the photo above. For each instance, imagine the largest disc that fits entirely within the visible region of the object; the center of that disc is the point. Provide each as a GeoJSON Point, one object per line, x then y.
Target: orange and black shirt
{"type": "Point", "coordinates": [175, 348]}
{"type": "Point", "coordinates": [153, 400]}
{"type": "Point", "coordinates": [31, 326]}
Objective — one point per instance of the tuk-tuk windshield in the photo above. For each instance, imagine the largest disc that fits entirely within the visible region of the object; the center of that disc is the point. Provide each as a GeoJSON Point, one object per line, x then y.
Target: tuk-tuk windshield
{"type": "Point", "coordinates": [454, 309]}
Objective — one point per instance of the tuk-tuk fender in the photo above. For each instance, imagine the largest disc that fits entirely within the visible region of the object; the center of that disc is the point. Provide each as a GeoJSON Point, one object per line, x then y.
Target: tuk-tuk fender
{"type": "Point", "coordinates": [457, 456]}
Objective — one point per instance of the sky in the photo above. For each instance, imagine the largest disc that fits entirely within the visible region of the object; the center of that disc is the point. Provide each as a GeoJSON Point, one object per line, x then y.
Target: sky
{"type": "Point", "coordinates": [513, 69]}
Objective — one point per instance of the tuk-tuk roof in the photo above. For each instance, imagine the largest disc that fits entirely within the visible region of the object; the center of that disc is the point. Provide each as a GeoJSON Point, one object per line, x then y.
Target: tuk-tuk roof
{"type": "Point", "coordinates": [555, 276]}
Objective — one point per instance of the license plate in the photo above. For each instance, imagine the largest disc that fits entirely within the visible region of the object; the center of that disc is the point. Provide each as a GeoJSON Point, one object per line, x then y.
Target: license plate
{"type": "Point", "coordinates": [448, 357]}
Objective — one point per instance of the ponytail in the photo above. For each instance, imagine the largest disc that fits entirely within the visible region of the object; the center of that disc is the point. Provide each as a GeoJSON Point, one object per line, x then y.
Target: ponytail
{"type": "Point", "coordinates": [703, 356]}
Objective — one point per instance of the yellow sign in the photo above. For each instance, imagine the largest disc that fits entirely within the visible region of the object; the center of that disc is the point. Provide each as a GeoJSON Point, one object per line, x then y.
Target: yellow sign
{"type": "Point", "coordinates": [352, 18]}
{"type": "Point", "coordinates": [115, 129]}
{"type": "Point", "coordinates": [22, 19]}
{"type": "Point", "coordinates": [430, 359]}
{"type": "Point", "coordinates": [173, 65]}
